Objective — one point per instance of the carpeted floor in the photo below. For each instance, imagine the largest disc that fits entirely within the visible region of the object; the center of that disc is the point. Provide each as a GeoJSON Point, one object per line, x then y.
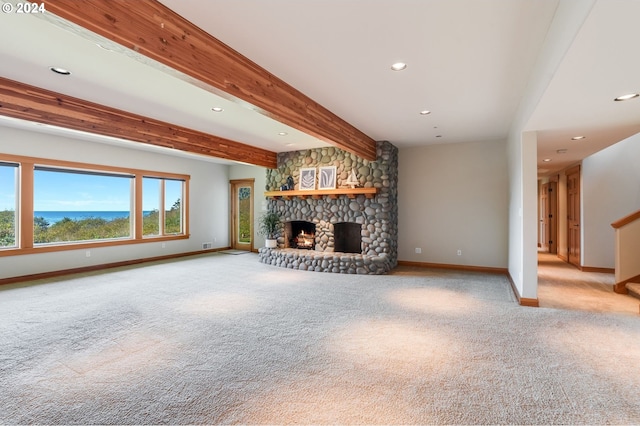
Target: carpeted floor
{"type": "Point", "coordinates": [218, 339]}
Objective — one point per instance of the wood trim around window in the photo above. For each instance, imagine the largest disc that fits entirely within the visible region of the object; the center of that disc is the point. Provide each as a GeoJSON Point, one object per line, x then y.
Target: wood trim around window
{"type": "Point", "coordinates": [24, 239]}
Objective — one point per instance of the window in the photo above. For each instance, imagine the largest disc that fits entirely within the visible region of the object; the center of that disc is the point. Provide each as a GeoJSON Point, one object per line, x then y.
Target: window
{"type": "Point", "coordinates": [78, 205]}
{"type": "Point", "coordinates": [52, 205]}
{"type": "Point", "coordinates": [151, 206]}
{"type": "Point", "coordinates": [172, 207]}
{"type": "Point", "coordinates": [8, 204]}
{"type": "Point", "coordinates": [157, 192]}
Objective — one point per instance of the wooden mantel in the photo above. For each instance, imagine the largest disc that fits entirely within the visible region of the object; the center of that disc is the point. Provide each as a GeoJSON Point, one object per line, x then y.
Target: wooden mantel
{"type": "Point", "coordinates": [319, 193]}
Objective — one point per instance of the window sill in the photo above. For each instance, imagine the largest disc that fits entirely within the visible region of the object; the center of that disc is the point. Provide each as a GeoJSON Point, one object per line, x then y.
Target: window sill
{"type": "Point", "coordinates": [84, 245]}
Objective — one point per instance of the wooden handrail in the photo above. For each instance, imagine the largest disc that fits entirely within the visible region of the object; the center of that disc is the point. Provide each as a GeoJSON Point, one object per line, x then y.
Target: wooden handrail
{"type": "Point", "coordinates": [625, 220]}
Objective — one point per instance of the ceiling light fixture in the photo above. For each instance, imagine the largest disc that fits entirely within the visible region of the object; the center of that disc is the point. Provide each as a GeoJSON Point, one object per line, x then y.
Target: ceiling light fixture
{"type": "Point", "coordinates": [398, 66]}
{"type": "Point", "coordinates": [425, 112]}
{"type": "Point", "coordinates": [217, 109]}
{"type": "Point", "coordinates": [562, 151]}
{"type": "Point", "coordinates": [546, 160]}
{"type": "Point", "coordinates": [627, 97]}
{"type": "Point", "coordinates": [60, 71]}
{"type": "Point", "coordinates": [577, 138]}
{"type": "Point", "coordinates": [282, 133]}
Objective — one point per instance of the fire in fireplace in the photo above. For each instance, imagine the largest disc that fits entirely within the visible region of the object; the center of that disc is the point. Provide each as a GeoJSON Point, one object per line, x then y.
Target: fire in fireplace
{"type": "Point", "coordinates": [300, 234]}
{"type": "Point", "coordinates": [305, 241]}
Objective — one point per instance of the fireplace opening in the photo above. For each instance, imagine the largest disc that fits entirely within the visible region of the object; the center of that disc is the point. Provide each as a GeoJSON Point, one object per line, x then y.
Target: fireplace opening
{"type": "Point", "coordinates": [300, 234]}
{"type": "Point", "coordinates": [347, 237]}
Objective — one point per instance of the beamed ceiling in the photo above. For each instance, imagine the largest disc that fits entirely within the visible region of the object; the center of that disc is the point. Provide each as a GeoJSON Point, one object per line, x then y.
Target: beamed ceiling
{"type": "Point", "coordinates": [292, 75]}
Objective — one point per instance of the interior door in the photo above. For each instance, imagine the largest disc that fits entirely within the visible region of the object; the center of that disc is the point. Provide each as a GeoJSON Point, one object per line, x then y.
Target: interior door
{"type": "Point", "coordinates": [548, 219]}
{"type": "Point", "coordinates": [552, 217]}
{"type": "Point", "coordinates": [544, 217]}
{"type": "Point", "coordinates": [242, 214]}
{"type": "Point", "coordinates": [573, 216]}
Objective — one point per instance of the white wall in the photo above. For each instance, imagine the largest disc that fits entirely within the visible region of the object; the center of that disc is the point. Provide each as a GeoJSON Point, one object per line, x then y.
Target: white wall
{"type": "Point", "coordinates": [259, 200]}
{"type": "Point", "coordinates": [453, 197]}
{"type": "Point", "coordinates": [522, 153]}
{"type": "Point", "coordinates": [610, 191]}
{"type": "Point", "coordinates": [523, 217]}
{"type": "Point", "coordinates": [208, 202]}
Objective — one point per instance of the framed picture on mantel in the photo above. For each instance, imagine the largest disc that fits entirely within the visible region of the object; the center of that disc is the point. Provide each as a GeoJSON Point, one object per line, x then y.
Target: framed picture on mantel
{"type": "Point", "coordinates": [307, 179]}
{"type": "Point", "coordinates": [327, 177]}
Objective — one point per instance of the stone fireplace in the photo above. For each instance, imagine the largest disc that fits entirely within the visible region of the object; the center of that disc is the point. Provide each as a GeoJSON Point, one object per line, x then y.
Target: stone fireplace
{"type": "Point", "coordinates": [352, 233]}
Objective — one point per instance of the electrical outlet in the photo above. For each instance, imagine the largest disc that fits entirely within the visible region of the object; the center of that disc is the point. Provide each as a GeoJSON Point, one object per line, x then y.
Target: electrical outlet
{"type": "Point", "coordinates": [418, 250]}
{"type": "Point", "coordinates": [87, 253]}
{"type": "Point", "coordinates": [459, 252]}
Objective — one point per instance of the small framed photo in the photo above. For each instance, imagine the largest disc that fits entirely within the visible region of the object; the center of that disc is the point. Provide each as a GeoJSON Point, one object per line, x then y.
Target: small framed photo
{"type": "Point", "coordinates": [307, 179]}
{"type": "Point", "coordinates": [327, 178]}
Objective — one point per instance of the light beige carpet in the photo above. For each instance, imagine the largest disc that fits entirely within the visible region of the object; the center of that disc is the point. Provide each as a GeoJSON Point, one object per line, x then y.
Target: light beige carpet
{"type": "Point", "coordinates": [225, 339]}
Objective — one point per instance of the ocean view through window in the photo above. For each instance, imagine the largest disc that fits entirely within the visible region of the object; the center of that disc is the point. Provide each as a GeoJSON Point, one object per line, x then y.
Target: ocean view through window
{"type": "Point", "coordinates": [57, 189]}
{"type": "Point", "coordinates": [52, 205]}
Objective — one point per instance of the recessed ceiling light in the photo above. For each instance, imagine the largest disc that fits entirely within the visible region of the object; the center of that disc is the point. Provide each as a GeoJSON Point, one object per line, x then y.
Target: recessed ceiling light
{"type": "Point", "coordinates": [398, 66]}
{"type": "Point", "coordinates": [288, 144]}
{"type": "Point", "coordinates": [282, 133]}
{"type": "Point", "coordinates": [577, 138]}
{"type": "Point", "coordinates": [425, 112]}
{"type": "Point", "coordinates": [60, 71]}
{"type": "Point", "coordinates": [627, 97]}
{"type": "Point", "coordinates": [546, 160]}
{"type": "Point", "coordinates": [217, 109]}
{"type": "Point", "coordinates": [562, 151]}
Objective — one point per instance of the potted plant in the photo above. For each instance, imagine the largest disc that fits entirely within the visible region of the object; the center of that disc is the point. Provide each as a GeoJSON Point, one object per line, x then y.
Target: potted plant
{"type": "Point", "coordinates": [268, 225]}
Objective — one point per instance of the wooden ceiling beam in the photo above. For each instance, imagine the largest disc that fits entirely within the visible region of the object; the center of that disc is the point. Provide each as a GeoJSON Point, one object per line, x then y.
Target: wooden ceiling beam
{"type": "Point", "coordinates": [19, 100]}
{"type": "Point", "coordinates": [155, 31]}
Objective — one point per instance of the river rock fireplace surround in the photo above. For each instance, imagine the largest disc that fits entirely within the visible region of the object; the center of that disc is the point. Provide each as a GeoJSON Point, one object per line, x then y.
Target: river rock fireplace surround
{"type": "Point", "coordinates": [367, 220]}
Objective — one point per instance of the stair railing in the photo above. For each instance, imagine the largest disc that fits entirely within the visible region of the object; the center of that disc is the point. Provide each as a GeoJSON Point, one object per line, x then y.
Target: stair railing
{"type": "Point", "coordinates": [627, 250]}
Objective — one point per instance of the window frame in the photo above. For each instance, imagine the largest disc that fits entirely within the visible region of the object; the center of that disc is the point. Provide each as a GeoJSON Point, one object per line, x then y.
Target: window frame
{"type": "Point", "coordinates": [16, 203]}
{"type": "Point", "coordinates": [162, 193]}
{"type": "Point", "coordinates": [25, 194]}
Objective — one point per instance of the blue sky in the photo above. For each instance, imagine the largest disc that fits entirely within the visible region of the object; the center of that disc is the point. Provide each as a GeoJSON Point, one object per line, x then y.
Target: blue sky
{"type": "Point", "coordinates": [74, 192]}
{"type": "Point", "coordinates": [7, 188]}
{"type": "Point", "coordinates": [79, 192]}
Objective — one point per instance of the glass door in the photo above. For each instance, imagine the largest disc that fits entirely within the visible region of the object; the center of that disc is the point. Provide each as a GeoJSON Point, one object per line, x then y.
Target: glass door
{"type": "Point", "coordinates": [242, 214]}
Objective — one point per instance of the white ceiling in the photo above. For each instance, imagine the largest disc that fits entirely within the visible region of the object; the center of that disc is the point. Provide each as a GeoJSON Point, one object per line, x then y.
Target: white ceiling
{"type": "Point", "coordinates": [469, 62]}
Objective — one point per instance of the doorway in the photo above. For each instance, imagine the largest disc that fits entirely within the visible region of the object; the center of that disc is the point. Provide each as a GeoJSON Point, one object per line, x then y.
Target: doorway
{"type": "Point", "coordinates": [242, 214]}
{"type": "Point", "coordinates": [548, 217]}
{"type": "Point", "coordinates": [573, 216]}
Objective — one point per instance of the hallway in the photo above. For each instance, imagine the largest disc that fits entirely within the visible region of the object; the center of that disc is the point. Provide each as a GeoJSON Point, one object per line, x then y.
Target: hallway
{"type": "Point", "coordinates": [563, 286]}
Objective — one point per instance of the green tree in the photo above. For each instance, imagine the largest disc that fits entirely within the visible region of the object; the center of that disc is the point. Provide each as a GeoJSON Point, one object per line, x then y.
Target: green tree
{"type": "Point", "coordinates": [173, 219]}
{"type": "Point", "coordinates": [7, 228]}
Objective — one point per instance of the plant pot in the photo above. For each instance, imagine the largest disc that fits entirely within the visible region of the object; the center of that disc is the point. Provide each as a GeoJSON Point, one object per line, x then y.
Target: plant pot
{"type": "Point", "coordinates": [270, 243]}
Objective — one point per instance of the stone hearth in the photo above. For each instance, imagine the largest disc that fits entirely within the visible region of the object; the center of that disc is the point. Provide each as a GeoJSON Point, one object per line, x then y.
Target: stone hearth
{"type": "Point", "coordinates": [377, 216]}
